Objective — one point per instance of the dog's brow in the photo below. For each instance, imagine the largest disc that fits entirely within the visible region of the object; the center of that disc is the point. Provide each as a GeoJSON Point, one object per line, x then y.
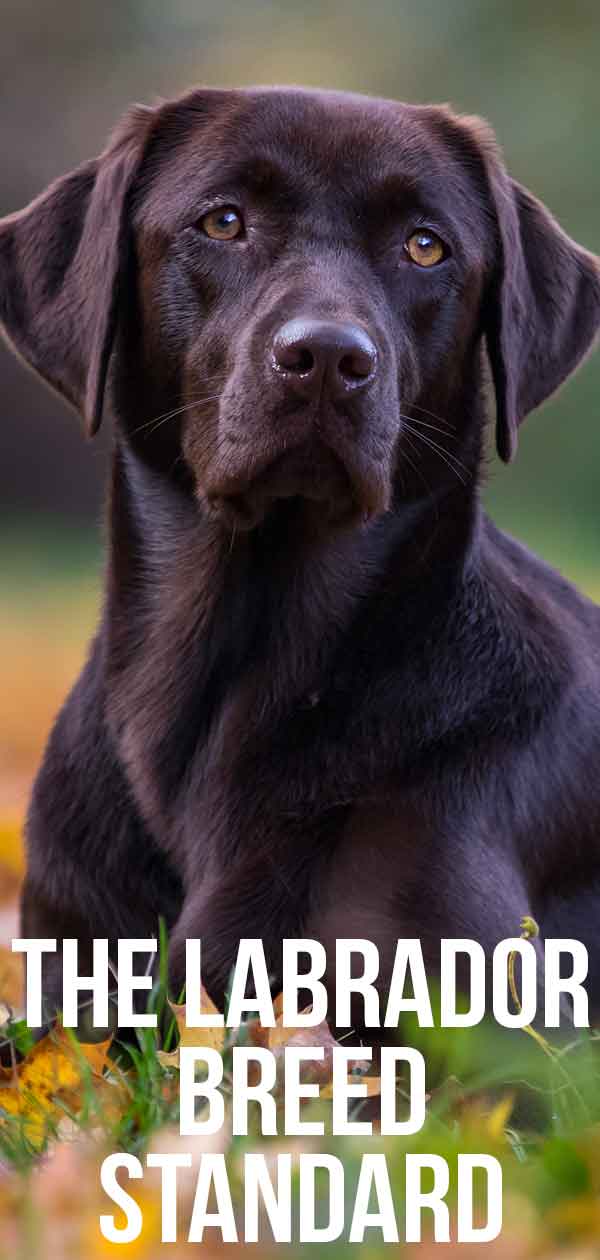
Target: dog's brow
{"type": "Point", "coordinates": [263, 174]}
{"type": "Point", "coordinates": [395, 186]}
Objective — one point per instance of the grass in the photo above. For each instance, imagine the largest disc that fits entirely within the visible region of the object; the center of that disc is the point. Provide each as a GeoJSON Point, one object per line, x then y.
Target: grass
{"type": "Point", "coordinates": [535, 1108]}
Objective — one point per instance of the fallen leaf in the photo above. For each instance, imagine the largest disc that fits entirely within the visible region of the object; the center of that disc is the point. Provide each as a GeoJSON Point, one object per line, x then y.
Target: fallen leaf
{"type": "Point", "coordinates": [276, 1039]}
{"type": "Point", "coordinates": [53, 1073]}
{"type": "Point", "coordinates": [499, 1117]}
{"type": "Point", "coordinates": [201, 1038]}
{"type": "Point", "coordinates": [372, 1086]}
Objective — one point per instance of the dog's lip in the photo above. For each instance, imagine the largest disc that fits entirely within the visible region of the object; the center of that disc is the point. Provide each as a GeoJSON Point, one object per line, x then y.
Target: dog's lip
{"type": "Point", "coordinates": [312, 474]}
{"type": "Point", "coordinates": [243, 514]}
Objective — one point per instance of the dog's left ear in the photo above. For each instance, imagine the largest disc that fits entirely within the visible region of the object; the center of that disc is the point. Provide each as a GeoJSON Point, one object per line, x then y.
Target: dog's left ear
{"type": "Point", "coordinates": [61, 261]}
{"type": "Point", "coordinates": [543, 311]}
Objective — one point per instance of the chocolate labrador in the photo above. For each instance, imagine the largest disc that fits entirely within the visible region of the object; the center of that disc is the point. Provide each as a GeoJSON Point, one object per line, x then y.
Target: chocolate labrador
{"type": "Point", "coordinates": [327, 697]}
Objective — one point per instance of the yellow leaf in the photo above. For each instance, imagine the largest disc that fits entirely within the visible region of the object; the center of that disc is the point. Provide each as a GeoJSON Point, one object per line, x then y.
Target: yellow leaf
{"type": "Point", "coordinates": [275, 1039]}
{"type": "Point", "coordinates": [499, 1117]}
{"type": "Point", "coordinates": [51, 1074]}
{"type": "Point", "coordinates": [201, 1038]}
{"type": "Point", "coordinates": [168, 1059]}
{"type": "Point", "coordinates": [373, 1085]}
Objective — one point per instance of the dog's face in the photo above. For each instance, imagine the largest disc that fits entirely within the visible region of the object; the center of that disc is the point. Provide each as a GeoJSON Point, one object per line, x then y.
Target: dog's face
{"type": "Point", "coordinates": [315, 264]}
{"type": "Point", "coordinates": [298, 286]}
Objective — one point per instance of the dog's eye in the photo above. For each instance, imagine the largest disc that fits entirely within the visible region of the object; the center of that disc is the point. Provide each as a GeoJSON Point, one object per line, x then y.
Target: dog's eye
{"type": "Point", "coordinates": [223, 224]}
{"type": "Point", "coordinates": [425, 248]}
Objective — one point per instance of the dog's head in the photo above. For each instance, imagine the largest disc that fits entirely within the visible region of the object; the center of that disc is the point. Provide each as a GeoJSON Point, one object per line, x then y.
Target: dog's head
{"type": "Point", "coordinates": [293, 289]}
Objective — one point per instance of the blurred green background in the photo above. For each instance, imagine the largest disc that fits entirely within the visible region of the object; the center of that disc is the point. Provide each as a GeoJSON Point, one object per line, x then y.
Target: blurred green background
{"type": "Point", "coordinates": [68, 69]}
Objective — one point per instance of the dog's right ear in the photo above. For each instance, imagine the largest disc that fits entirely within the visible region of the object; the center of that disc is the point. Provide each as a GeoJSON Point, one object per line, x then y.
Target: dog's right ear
{"type": "Point", "coordinates": [61, 260]}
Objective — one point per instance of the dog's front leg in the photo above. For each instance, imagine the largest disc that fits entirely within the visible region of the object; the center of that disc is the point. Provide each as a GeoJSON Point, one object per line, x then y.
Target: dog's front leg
{"type": "Point", "coordinates": [248, 901]}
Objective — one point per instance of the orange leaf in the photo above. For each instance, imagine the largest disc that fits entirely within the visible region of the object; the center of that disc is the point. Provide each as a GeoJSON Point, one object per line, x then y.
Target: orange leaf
{"type": "Point", "coordinates": [319, 1035]}
{"type": "Point", "coordinates": [276, 1039]}
{"type": "Point", "coordinates": [202, 1038]}
{"type": "Point", "coordinates": [52, 1073]}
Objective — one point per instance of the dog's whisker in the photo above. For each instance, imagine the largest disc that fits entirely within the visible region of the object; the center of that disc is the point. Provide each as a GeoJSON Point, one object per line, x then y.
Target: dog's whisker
{"type": "Point", "coordinates": [446, 459]}
{"type": "Point", "coordinates": [198, 402]}
{"type": "Point", "coordinates": [428, 491]}
{"type": "Point", "coordinates": [167, 415]}
{"type": "Point", "coordinates": [423, 424]}
{"type": "Point", "coordinates": [175, 411]}
{"type": "Point", "coordinates": [415, 467]}
{"type": "Point", "coordinates": [453, 463]}
{"type": "Point", "coordinates": [412, 406]}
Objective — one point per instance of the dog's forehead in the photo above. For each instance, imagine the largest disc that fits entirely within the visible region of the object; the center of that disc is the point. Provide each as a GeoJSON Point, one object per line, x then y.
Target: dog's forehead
{"type": "Point", "coordinates": [321, 127]}
{"type": "Point", "coordinates": [347, 141]}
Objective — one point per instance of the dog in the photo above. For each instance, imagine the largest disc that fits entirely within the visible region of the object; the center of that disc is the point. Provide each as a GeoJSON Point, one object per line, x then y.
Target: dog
{"type": "Point", "coordinates": [327, 696]}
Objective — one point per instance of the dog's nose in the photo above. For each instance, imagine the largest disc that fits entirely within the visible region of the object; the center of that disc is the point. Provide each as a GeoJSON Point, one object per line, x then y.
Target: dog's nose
{"type": "Point", "coordinates": [317, 354]}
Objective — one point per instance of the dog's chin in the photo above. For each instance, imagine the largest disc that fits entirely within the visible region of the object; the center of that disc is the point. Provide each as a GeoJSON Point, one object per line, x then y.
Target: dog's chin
{"type": "Point", "coordinates": [311, 487]}
{"type": "Point", "coordinates": [244, 512]}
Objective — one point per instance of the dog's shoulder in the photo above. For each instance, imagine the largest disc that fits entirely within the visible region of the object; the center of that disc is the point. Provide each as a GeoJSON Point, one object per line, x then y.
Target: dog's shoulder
{"type": "Point", "coordinates": [522, 578]}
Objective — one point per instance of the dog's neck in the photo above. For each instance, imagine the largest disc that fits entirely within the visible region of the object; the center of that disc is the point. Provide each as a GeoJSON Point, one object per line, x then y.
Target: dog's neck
{"type": "Point", "coordinates": [278, 587]}
{"type": "Point", "coordinates": [206, 636]}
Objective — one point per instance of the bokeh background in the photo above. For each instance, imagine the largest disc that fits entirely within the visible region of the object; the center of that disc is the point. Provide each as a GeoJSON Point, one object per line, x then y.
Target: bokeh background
{"type": "Point", "coordinates": [67, 70]}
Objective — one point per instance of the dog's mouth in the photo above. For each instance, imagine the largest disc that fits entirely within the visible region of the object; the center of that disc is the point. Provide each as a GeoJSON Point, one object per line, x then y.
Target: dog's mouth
{"type": "Point", "coordinates": [312, 477]}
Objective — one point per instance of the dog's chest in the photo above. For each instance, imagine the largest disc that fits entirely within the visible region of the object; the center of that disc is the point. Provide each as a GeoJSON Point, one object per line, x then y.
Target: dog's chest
{"type": "Point", "coordinates": [321, 751]}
